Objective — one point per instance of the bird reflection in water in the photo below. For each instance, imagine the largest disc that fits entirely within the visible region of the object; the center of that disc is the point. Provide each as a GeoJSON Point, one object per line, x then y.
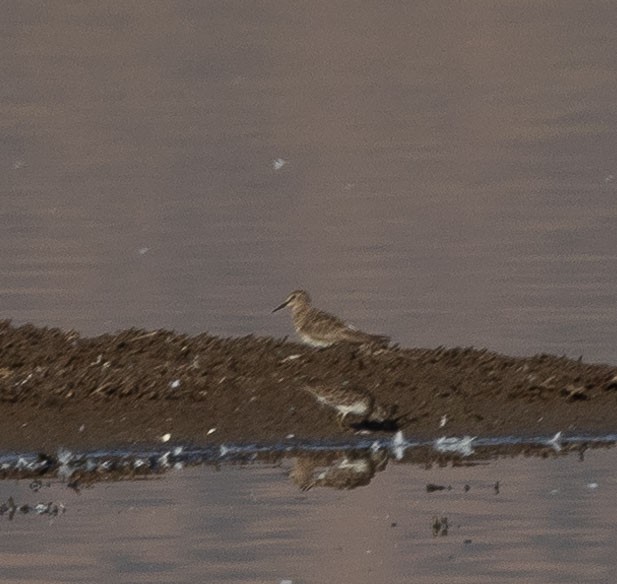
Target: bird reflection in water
{"type": "Point", "coordinates": [343, 470]}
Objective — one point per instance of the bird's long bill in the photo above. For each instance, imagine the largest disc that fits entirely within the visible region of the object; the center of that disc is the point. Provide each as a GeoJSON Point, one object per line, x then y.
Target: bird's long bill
{"type": "Point", "coordinates": [281, 306]}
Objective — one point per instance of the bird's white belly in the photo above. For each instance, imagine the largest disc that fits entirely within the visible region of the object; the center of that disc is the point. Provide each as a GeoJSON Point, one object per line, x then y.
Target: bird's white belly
{"type": "Point", "coordinates": [358, 409]}
{"type": "Point", "coordinates": [313, 342]}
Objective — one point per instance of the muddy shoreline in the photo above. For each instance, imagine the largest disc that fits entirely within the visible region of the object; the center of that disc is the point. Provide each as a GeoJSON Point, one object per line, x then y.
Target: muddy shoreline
{"type": "Point", "coordinates": [133, 388]}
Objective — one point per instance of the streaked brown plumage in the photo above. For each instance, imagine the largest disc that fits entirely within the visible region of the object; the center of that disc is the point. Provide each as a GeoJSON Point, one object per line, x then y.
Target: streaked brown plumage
{"type": "Point", "coordinates": [321, 329]}
{"type": "Point", "coordinates": [347, 401]}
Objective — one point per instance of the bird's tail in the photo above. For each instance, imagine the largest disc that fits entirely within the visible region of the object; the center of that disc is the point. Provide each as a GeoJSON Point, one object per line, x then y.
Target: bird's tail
{"type": "Point", "coordinates": [381, 340]}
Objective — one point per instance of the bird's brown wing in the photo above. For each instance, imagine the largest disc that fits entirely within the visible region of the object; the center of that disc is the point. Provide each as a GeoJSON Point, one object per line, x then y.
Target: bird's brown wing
{"type": "Point", "coordinates": [355, 336]}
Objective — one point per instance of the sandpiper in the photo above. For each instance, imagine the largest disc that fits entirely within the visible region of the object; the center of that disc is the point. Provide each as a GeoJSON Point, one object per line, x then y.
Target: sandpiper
{"type": "Point", "coordinates": [347, 401]}
{"type": "Point", "coordinates": [320, 329]}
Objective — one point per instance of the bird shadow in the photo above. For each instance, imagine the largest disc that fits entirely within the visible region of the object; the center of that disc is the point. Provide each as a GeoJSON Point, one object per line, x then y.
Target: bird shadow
{"type": "Point", "coordinates": [392, 424]}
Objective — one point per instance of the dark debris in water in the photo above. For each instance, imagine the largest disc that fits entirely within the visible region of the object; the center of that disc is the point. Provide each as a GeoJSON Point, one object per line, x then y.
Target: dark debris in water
{"type": "Point", "coordinates": [440, 526]}
{"type": "Point", "coordinates": [431, 488]}
{"type": "Point", "coordinates": [9, 509]}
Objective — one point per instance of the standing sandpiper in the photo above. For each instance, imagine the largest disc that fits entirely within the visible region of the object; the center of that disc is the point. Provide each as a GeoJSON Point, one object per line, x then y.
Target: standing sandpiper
{"type": "Point", "coordinates": [347, 401]}
{"type": "Point", "coordinates": [320, 329]}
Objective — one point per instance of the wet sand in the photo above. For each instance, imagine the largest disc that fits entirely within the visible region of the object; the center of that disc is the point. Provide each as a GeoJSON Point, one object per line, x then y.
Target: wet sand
{"type": "Point", "coordinates": [129, 389]}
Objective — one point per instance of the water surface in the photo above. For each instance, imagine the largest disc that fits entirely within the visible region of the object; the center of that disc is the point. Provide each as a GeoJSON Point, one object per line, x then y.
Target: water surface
{"type": "Point", "coordinates": [448, 170]}
{"type": "Point", "coordinates": [546, 521]}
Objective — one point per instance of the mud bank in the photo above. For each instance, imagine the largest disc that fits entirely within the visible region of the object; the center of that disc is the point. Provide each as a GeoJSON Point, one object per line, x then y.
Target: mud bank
{"type": "Point", "coordinates": [58, 389]}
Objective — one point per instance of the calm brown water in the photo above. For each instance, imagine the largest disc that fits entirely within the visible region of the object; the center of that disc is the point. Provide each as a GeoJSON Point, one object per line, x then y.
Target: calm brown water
{"type": "Point", "coordinates": [449, 177]}
{"type": "Point", "coordinates": [552, 521]}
